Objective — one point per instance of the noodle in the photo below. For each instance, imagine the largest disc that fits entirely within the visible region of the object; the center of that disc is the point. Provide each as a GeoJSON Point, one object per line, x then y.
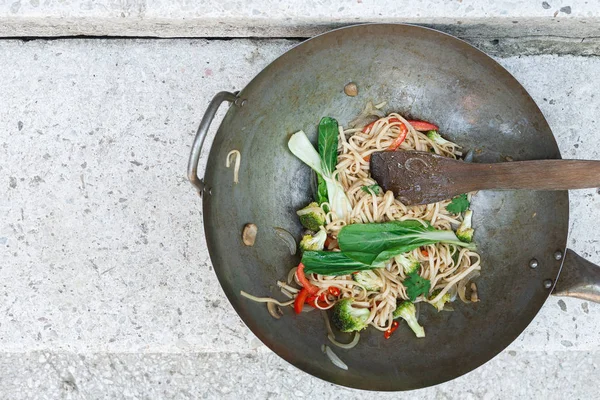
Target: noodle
{"type": "Point", "coordinates": [448, 267]}
{"type": "Point", "coordinates": [236, 167]}
{"type": "Point", "coordinates": [355, 147]}
{"type": "Point", "coordinates": [265, 299]}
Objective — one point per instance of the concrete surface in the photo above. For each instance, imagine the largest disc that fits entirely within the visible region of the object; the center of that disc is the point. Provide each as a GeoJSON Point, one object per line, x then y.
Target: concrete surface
{"type": "Point", "coordinates": [291, 18]}
{"type": "Point", "coordinates": [107, 288]}
{"type": "Point", "coordinates": [511, 375]}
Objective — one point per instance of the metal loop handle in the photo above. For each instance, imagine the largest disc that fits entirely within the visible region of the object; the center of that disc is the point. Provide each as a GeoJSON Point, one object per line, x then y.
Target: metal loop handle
{"type": "Point", "coordinates": [209, 114]}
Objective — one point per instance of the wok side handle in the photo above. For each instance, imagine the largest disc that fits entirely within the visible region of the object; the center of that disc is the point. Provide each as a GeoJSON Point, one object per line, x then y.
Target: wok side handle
{"type": "Point", "coordinates": [578, 278]}
{"type": "Point", "coordinates": [209, 114]}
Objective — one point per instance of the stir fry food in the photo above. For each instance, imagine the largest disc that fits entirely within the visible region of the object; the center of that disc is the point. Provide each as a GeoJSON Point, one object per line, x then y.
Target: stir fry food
{"type": "Point", "coordinates": [366, 257]}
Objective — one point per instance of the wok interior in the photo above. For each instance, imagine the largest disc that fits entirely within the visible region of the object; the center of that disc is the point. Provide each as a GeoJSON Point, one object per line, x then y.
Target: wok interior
{"type": "Point", "coordinates": [426, 75]}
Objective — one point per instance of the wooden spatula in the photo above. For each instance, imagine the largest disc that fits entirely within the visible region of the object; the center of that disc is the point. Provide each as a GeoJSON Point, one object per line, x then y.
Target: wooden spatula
{"type": "Point", "coordinates": [418, 177]}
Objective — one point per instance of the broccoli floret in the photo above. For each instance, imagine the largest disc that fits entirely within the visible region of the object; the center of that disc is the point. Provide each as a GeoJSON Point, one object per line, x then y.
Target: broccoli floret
{"type": "Point", "coordinates": [410, 264]}
{"type": "Point", "coordinates": [312, 216]}
{"type": "Point", "coordinates": [368, 279]}
{"type": "Point", "coordinates": [407, 311]}
{"type": "Point", "coordinates": [313, 243]}
{"type": "Point", "coordinates": [348, 318]}
{"type": "Point", "coordinates": [436, 137]}
{"type": "Point", "coordinates": [441, 302]}
{"type": "Point", "coordinates": [464, 231]}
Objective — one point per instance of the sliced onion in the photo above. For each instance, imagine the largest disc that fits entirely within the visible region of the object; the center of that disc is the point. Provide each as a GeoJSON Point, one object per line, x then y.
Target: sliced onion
{"type": "Point", "coordinates": [462, 285]}
{"type": "Point", "coordinates": [287, 287]}
{"type": "Point", "coordinates": [452, 292]}
{"type": "Point", "coordinates": [334, 358]}
{"type": "Point", "coordinates": [331, 335]}
{"type": "Point", "coordinates": [265, 299]}
{"type": "Point", "coordinates": [286, 293]}
{"type": "Point", "coordinates": [291, 274]}
{"type": "Point", "coordinates": [350, 345]}
{"type": "Point", "coordinates": [366, 116]}
{"type": "Point", "coordinates": [287, 238]}
{"type": "Point", "coordinates": [274, 310]}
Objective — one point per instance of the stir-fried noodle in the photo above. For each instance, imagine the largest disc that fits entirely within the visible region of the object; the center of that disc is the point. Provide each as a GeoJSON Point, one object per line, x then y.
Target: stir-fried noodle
{"type": "Point", "coordinates": [437, 261]}
{"type": "Point", "coordinates": [447, 267]}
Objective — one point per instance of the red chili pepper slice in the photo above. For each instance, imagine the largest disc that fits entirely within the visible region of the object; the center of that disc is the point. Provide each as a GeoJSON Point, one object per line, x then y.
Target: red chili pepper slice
{"type": "Point", "coordinates": [403, 132]}
{"type": "Point", "coordinates": [368, 128]}
{"type": "Point", "coordinates": [320, 300]}
{"type": "Point", "coordinates": [333, 291]}
{"type": "Point", "coordinates": [423, 125]}
{"type": "Point", "coordinates": [300, 300]}
{"type": "Point", "coordinates": [401, 137]}
{"type": "Point", "coordinates": [312, 289]}
{"type": "Point", "coordinates": [425, 253]}
{"type": "Point", "coordinates": [389, 332]}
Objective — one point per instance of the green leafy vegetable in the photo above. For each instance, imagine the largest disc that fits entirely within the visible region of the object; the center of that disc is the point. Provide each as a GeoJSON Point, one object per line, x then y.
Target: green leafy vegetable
{"type": "Point", "coordinates": [416, 286]}
{"type": "Point", "coordinates": [323, 164]}
{"type": "Point", "coordinates": [378, 242]}
{"type": "Point", "coordinates": [321, 190]}
{"type": "Point", "coordinates": [331, 263]}
{"type": "Point", "coordinates": [371, 188]}
{"type": "Point", "coordinates": [328, 143]}
{"type": "Point", "coordinates": [458, 204]}
{"type": "Point", "coordinates": [368, 246]}
{"type": "Point", "coordinates": [327, 146]}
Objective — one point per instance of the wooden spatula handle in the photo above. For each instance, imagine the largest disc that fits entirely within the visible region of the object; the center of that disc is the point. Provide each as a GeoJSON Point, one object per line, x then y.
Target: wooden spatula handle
{"type": "Point", "coordinates": [536, 175]}
{"type": "Point", "coordinates": [418, 177]}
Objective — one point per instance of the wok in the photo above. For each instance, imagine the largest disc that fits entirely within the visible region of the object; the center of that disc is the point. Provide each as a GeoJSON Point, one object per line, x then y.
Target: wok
{"type": "Point", "coordinates": [425, 74]}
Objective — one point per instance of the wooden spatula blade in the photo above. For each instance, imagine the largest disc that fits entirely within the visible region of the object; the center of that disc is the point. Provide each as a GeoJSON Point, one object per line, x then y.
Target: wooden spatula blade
{"type": "Point", "coordinates": [415, 177]}
{"type": "Point", "coordinates": [418, 177]}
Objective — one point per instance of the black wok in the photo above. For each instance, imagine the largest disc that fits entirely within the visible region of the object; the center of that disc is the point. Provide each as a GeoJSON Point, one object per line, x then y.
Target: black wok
{"type": "Point", "coordinates": [425, 74]}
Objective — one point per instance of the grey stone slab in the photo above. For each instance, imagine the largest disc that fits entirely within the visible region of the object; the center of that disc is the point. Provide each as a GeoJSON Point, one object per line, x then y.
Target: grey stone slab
{"type": "Point", "coordinates": [102, 233]}
{"type": "Point", "coordinates": [289, 18]}
{"type": "Point", "coordinates": [101, 238]}
{"type": "Point", "coordinates": [44, 375]}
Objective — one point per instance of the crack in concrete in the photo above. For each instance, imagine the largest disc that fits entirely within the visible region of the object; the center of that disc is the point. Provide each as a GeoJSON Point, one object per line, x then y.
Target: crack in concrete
{"type": "Point", "coordinates": [499, 46]}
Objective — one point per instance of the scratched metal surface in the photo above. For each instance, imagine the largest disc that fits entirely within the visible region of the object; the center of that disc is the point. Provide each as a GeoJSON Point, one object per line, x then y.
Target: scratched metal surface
{"type": "Point", "coordinates": [423, 74]}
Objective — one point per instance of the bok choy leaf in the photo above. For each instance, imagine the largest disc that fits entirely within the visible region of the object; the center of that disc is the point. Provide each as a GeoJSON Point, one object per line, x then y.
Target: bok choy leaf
{"type": "Point", "coordinates": [323, 163]}
{"type": "Point", "coordinates": [376, 243]}
{"type": "Point", "coordinates": [331, 263]}
{"type": "Point", "coordinates": [367, 246]}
